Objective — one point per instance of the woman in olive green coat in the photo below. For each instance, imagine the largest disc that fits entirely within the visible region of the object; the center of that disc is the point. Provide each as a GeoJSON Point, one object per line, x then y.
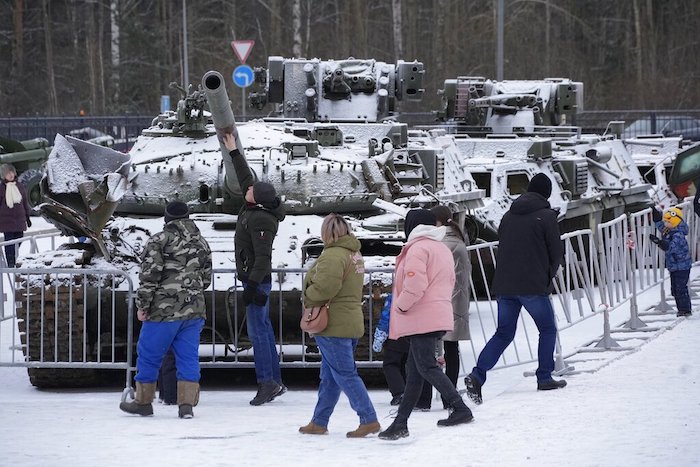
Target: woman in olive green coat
{"type": "Point", "coordinates": [336, 279]}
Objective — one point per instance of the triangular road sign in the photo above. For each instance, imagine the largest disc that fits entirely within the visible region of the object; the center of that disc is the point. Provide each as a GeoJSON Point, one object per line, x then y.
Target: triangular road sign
{"type": "Point", "coordinates": [242, 49]}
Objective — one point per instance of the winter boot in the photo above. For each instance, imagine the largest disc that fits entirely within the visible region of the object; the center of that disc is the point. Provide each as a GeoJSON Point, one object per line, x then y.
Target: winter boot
{"type": "Point", "coordinates": [396, 430]}
{"type": "Point", "coordinates": [549, 384]}
{"type": "Point", "coordinates": [473, 388]}
{"type": "Point", "coordinates": [187, 397]}
{"type": "Point", "coordinates": [396, 400]}
{"type": "Point", "coordinates": [460, 414]}
{"type": "Point", "coordinates": [313, 429]}
{"type": "Point", "coordinates": [364, 429]}
{"type": "Point", "coordinates": [142, 403]}
{"type": "Point", "coordinates": [267, 391]}
{"type": "Point", "coordinates": [684, 313]}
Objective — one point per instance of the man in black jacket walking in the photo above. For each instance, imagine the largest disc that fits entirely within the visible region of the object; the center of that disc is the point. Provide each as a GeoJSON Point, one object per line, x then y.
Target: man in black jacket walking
{"type": "Point", "coordinates": [256, 229]}
{"type": "Point", "coordinates": [529, 253]}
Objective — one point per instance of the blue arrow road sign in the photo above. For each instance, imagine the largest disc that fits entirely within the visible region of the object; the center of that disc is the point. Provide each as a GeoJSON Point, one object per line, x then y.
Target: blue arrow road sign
{"type": "Point", "coordinates": [243, 76]}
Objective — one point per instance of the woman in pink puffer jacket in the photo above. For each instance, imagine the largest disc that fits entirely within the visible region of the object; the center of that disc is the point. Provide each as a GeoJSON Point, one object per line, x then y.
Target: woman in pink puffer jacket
{"type": "Point", "coordinates": [422, 312]}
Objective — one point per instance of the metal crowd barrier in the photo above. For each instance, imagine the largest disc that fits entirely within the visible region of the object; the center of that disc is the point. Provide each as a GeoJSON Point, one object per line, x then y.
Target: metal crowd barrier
{"type": "Point", "coordinates": [600, 268]}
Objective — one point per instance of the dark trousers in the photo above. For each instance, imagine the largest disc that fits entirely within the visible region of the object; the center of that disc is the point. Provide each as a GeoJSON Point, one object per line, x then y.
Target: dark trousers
{"type": "Point", "coordinates": [679, 289]}
{"type": "Point", "coordinates": [451, 360]}
{"type": "Point", "coordinates": [10, 250]}
{"type": "Point", "coordinates": [451, 349]}
{"type": "Point", "coordinates": [422, 365]}
{"type": "Point", "coordinates": [394, 366]}
{"type": "Point", "coordinates": [167, 379]}
{"type": "Point", "coordinates": [540, 308]}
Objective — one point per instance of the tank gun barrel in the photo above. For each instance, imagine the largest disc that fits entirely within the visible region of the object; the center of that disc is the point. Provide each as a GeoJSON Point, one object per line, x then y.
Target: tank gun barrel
{"type": "Point", "coordinates": [509, 101]}
{"type": "Point", "coordinates": [224, 122]}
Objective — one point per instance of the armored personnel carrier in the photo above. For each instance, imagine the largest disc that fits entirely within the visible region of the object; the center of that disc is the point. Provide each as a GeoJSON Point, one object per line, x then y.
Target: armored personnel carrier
{"type": "Point", "coordinates": [505, 132]}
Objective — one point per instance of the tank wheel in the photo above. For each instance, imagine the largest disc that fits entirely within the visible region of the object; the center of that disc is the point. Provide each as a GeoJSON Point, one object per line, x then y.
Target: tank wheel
{"type": "Point", "coordinates": [62, 377]}
{"type": "Point", "coordinates": [31, 180]}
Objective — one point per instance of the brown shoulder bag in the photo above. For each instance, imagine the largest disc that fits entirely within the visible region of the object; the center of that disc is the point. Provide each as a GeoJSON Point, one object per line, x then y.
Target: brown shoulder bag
{"type": "Point", "coordinates": [314, 319]}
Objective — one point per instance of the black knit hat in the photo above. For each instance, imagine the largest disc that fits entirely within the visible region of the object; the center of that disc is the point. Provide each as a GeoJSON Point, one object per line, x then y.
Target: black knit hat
{"type": "Point", "coordinates": [541, 184]}
{"type": "Point", "coordinates": [417, 217]}
{"type": "Point", "coordinates": [176, 210]}
{"type": "Point", "coordinates": [264, 193]}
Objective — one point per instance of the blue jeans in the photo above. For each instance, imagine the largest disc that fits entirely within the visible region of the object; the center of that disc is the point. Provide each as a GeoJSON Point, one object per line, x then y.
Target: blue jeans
{"type": "Point", "coordinates": [679, 289]}
{"type": "Point", "coordinates": [267, 360]}
{"type": "Point", "coordinates": [157, 337]}
{"type": "Point", "coordinates": [540, 308]}
{"type": "Point", "coordinates": [339, 373]}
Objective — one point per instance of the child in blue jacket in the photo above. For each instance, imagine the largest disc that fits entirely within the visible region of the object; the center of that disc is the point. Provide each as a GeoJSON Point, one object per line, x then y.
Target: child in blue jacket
{"type": "Point", "coordinates": [394, 362]}
{"type": "Point", "coordinates": [678, 262]}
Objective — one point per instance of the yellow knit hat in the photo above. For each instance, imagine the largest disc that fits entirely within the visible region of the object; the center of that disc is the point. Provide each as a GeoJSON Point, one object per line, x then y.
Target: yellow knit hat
{"type": "Point", "coordinates": [673, 216]}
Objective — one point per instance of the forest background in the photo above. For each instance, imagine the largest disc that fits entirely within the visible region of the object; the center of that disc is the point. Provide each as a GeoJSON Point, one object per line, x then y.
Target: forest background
{"type": "Point", "coordinates": [116, 57]}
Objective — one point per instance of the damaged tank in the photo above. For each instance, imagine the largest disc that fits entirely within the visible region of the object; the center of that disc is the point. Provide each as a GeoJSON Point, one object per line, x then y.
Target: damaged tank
{"type": "Point", "coordinates": [332, 147]}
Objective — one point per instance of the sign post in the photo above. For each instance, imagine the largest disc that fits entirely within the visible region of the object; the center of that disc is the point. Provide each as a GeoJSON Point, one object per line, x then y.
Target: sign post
{"type": "Point", "coordinates": [243, 74]}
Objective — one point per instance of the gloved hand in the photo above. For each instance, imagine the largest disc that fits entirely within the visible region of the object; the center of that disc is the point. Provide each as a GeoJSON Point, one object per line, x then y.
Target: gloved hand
{"type": "Point", "coordinates": [379, 339]}
{"type": "Point", "coordinates": [663, 244]}
{"type": "Point", "coordinates": [29, 222]}
{"type": "Point", "coordinates": [260, 299]}
{"type": "Point", "coordinates": [250, 292]}
{"type": "Point", "coordinates": [656, 215]}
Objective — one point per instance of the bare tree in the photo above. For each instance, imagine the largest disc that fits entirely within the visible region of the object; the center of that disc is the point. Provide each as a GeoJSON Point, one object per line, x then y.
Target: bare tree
{"type": "Point", "coordinates": [296, 28]}
{"type": "Point", "coordinates": [48, 44]}
{"type": "Point", "coordinates": [397, 28]}
{"type": "Point", "coordinates": [115, 59]}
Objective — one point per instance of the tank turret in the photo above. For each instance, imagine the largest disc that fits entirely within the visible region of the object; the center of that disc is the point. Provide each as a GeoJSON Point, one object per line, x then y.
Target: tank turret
{"type": "Point", "coordinates": [349, 90]}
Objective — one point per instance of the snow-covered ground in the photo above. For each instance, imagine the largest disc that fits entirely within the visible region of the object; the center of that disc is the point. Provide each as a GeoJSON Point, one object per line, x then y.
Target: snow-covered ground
{"type": "Point", "coordinates": [641, 409]}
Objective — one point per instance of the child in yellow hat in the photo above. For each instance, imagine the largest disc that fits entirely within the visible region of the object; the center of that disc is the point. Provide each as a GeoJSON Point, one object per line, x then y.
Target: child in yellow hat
{"type": "Point", "coordinates": [678, 262]}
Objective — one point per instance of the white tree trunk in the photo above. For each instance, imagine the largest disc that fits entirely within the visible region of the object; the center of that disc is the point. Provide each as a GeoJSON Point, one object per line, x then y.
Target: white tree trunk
{"type": "Point", "coordinates": [114, 16]}
{"type": "Point", "coordinates": [398, 26]}
{"type": "Point", "coordinates": [296, 29]}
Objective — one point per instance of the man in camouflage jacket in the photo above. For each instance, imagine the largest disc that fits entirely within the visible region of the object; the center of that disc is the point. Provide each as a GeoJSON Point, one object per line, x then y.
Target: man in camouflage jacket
{"type": "Point", "coordinates": [256, 229]}
{"type": "Point", "coordinates": [175, 271]}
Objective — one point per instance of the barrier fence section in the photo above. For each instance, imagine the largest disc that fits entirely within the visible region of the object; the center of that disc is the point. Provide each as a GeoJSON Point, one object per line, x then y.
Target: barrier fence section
{"type": "Point", "coordinates": [62, 318]}
{"type": "Point", "coordinates": [80, 318]}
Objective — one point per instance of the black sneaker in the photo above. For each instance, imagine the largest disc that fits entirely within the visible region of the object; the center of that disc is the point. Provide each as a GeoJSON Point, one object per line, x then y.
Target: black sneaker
{"type": "Point", "coordinates": [266, 392]}
{"type": "Point", "coordinates": [394, 432]}
{"type": "Point", "coordinates": [396, 400]}
{"type": "Point", "coordinates": [457, 417]}
{"type": "Point", "coordinates": [282, 390]}
{"type": "Point", "coordinates": [473, 389]}
{"type": "Point", "coordinates": [421, 408]}
{"type": "Point", "coordinates": [549, 384]}
{"type": "Point", "coordinates": [682, 314]}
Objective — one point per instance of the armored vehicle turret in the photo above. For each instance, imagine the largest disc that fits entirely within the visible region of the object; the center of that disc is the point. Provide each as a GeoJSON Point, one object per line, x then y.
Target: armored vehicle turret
{"type": "Point", "coordinates": [345, 90]}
